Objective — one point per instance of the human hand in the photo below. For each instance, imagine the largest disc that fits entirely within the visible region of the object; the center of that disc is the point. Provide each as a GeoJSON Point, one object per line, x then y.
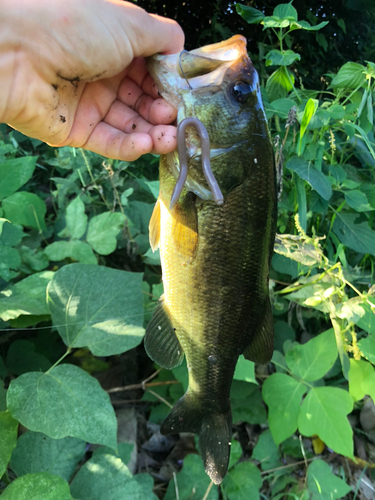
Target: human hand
{"type": "Point", "coordinates": [72, 73]}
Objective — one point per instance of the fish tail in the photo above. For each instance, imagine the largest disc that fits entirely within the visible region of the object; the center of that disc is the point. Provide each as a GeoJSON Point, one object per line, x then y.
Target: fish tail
{"type": "Point", "coordinates": [214, 430]}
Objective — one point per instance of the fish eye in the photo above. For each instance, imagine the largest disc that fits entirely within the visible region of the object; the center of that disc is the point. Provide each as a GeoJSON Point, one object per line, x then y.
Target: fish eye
{"type": "Point", "coordinates": [241, 91]}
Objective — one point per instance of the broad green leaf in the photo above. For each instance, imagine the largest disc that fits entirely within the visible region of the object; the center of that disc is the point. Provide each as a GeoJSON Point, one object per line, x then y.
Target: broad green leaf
{"type": "Point", "coordinates": [247, 403]}
{"type": "Point", "coordinates": [352, 309]}
{"type": "Point", "coordinates": [266, 451]}
{"type": "Point", "coordinates": [367, 347]}
{"type": "Point", "coordinates": [311, 361]}
{"type": "Point", "coordinates": [323, 413]}
{"type": "Point", "coordinates": [28, 296]}
{"type": "Point", "coordinates": [280, 107]}
{"type": "Point", "coordinates": [304, 25]}
{"type": "Point", "coordinates": [10, 260]}
{"type": "Point", "coordinates": [242, 482]}
{"type": "Point", "coordinates": [154, 187]}
{"type": "Point", "coordinates": [235, 453]}
{"type": "Point", "coordinates": [66, 401]}
{"type": "Point", "coordinates": [367, 321]}
{"type": "Point", "coordinates": [278, 58]}
{"type": "Point", "coordinates": [76, 219]}
{"type": "Point", "coordinates": [306, 170]}
{"type": "Point", "coordinates": [76, 250]}
{"type": "Point", "coordinates": [358, 237]}
{"type": "Point", "coordinates": [245, 370]}
{"type": "Point", "coordinates": [22, 358]}
{"type": "Point", "coordinates": [192, 482]}
{"type": "Point", "coordinates": [308, 113]}
{"type": "Point", "coordinates": [15, 173]}
{"type": "Point", "coordinates": [40, 486]}
{"type": "Point", "coordinates": [36, 452]}
{"type": "Point", "coordinates": [8, 439]}
{"type": "Point", "coordinates": [107, 477]}
{"type": "Point", "coordinates": [32, 259]}
{"type": "Point", "coordinates": [275, 22]}
{"type": "Point", "coordinates": [323, 484]}
{"type": "Point", "coordinates": [282, 394]}
{"type": "Point", "coordinates": [359, 371]}
{"type": "Point", "coordinates": [366, 188]}
{"type": "Point", "coordinates": [26, 209]}
{"type": "Point", "coordinates": [357, 200]}
{"type": "Point", "coordinates": [286, 11]}
{"type": "Point", "coordinates": [368, 386]}
{"type": "Point", "coordinates": [251, 15]}
{"type": "Point", "coordinates": [97, 307]}
{"type": "Point", "coordinates": [103, 230]}
{"type": "Point", "coordinates": [11, 235]}
{"type": "Point", "coordinates": [279, 84]}
{"type": "Point", "coordinates": [124, 451]}
{"type": "Point", "coordinates": [350, 76]}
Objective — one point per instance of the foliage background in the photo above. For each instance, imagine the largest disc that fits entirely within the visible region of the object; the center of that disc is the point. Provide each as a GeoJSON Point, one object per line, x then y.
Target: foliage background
{"type": "Point", "coordinates": [74, 231]}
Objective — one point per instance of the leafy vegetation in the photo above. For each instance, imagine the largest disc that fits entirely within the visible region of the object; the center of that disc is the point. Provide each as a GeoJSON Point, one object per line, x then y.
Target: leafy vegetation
{"type": "Point", "coordinates": [78, 283]}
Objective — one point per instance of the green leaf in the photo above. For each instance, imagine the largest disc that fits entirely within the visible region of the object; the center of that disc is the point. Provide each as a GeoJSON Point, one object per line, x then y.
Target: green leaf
{"type": "Point", "coordinates": [286, 11]}
{"type": "Point", "coordinates": [66, 401]}
{"type": "Point", "coordinates": [106, 476]}
{"type": "Point", "coordinates": [357, 200]}
{"type": "Point", "coordinates": [76, 250]}
{"type": "Point", "coordinates": [242, 482]}
{"type": "Point", "coordinates": [33, 259]}
{"type": "Point", "coordinates": [235, 453]}
{"type": "Point", "coordinates": [192, 482]}
{"type": "Point", "coordinates": [124, 451]}
{"type": "Point", "coordinates": [8, 439]}
{"type": "Point", "coordinates": [367, 321]}
{"type": "Point", "coordinates": [277, 58]}
{"type": "Point", "coordinates": [367, 347]}
{"type": "Point", "coordinates": [15, 173]}
{"type": "Point", "coordinates": [323, 413]}
{"type": "Point", "coordinates": [370, 111]}
{"type": "Point", "coordinates": [308, 113]}
{"type": "Point", "coordinates": [350, 76]}
{"type": "Point", "coordinates": [26, 209]}
{"type": "Point", "coordinates": [23, 358]}
{"type": "Point", "coordinates": [275, 22]}
{"type": "Point", "coordinates": [358, 237]}
{"type": "Point", "coordinates": [245, 370]}
{"type": "Point", "coordinates": [102, 231]}
{"type": "Point", "coordinates": [26, 297]}
{"type": "Point", "coordinates": [154, 187]}
{"type": "Point", "coordinates": [10, 235]}
{"type": "Point", "coordinates": [251, 15]}
{"type": "Point", "coordinates": [323, 484]}
{"type": "Point", "coordinates": [40, 486]}
{"type": "Point", "coordinates": [279, 84]}
{"type": "Point", "coordinates": [359, 371]}
{"type": "Point", "coordinates": [368, 386]}
{"type": "Point", "coordinates": [36, 452]}
{"type": "Point", "coordinates": [266, 451]}
{"type": "Point", "coordinates": [306, 170]}
{"type": "Point", "coordinates": [107, 318]}
{"type": "Point", "coordinates": [76, 219]}
{"type": "Point", "coordinates": [247, 403]}
{"type": "Point", "coordinates": [282, 394]}
{"type": "Point", "coordinates": [10, 260]}
{"type": "Point", "coordinates": [304, 25]}
{"type": "Point", "coordinates": [311, 361]}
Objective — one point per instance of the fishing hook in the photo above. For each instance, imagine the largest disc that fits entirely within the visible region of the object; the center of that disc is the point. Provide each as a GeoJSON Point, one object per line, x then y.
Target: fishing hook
{"type": "Point", "coordinates": [182, 71]}
{"type": "Point", "coordinates": [206, 166]}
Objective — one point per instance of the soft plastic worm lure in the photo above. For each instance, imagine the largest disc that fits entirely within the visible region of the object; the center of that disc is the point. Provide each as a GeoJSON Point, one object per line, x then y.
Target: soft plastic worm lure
{"type": "Point", "coordinates": [206, 166]}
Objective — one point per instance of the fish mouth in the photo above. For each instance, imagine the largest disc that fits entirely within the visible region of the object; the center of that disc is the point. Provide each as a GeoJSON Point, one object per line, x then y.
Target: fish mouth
{"type": "Point", "coordinates": [195, 69]}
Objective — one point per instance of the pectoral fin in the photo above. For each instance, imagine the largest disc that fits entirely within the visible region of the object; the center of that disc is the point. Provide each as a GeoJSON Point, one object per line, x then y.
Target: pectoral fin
{"type": "Point", "coordinates": [161, 342]}
{"type": "Point", "coordinates": [185, 227]}
{"type": "Point", "coordinates": [154, 227]}
{"type": "Point", "coordinates": [261, 347]}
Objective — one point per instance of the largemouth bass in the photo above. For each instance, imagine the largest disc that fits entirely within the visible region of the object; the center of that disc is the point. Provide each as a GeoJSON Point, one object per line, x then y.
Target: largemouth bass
{"type": "Point", "coordinates": [215, 257]}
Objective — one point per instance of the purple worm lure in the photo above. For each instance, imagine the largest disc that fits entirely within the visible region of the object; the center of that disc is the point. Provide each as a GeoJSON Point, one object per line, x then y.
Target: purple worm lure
{"type": "Point", "coordinates": [206, 166]}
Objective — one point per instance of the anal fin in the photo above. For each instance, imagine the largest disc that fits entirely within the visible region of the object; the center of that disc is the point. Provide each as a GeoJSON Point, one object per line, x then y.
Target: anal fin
{"type": "Point", "coordinates": [161, 342]}
{"type": "Point", "coordinates": [261, 347]}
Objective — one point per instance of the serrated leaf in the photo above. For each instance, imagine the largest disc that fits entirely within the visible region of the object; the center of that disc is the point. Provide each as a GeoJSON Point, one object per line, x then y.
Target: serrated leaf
{"type": "Point", "coordinates": [15, 173]}
{"type": "Point", "coordinates": [22, 358]}
{"type": "Point", "coordinates": [251, 15]}
{"type": "Point", "coordinates": [76, 219]}
{"type": "Point", "coordinates": [306, 170]}
{"type": "Point", "coordinates": [323, 413]}
{"type": "Point", "coordinates": [358, 237]}
{"type": "Point", "coordinates": [26, 209]}
{"type": "Point", "coordinates": [323, 484]}
{"type": "Point", "coordinates": [245, 370]}
{"type": "Point", "coordinates": [36, 452]}
{"type": "Point", "coordinates": [266, 451]}
{"type": "Point", "coordinates": [65, 401]}
{"type": "Point", "coordinates": [350, 76]}
{"type": "Point", "coordinates": [102, 231]}
{"type": "Point", "coordinates": [76, 250]}
{"type": "Point", "coordinates": [10, 260]}
{"type": "Point", "coordinates": [40, 486]}
{"type": "Point", "coordinates": [367, 347]}
{"type": "Point", "coordinates": [359, 371]}
{"type": "Point", "coordinates": [192, 482]}
{"type": "Point", "coordinates": [286, 11]}
{"type": "Point", "coordinates": [28, 296]}
{"type": "Point", "coordinates": [279, 84]}
{"type": "Point", "coordinates": [278, 58]}
{"type": "Point", "coordinates": [242, 482]}
{"type": "Point", "coordinates": [8, 439]}
{"type": "Point", "coordinates": [357, 200]}
{"type": "Point", "coordinates": [108, 319]}
{"type": "Point", "coordinates": [311, 361]}
{"type": "Point", "coordinates": [282, 394]}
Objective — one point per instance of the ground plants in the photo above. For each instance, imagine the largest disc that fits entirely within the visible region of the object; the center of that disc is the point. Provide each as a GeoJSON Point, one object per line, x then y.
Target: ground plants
{"type": "Point", "coordinates": [78, 283]}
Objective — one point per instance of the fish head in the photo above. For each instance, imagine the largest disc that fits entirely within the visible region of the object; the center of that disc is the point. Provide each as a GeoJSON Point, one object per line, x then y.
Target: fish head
{"type": "Point", "coordinates": [219, 85]}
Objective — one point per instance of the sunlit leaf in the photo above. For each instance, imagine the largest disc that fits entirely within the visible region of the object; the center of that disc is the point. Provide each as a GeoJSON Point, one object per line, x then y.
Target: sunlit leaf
{"type": "Point", "coordinates": [102, 231]}
{"type": "Point", "coordinates": [359, 371]}
{"type": "Point", "coordinates": [323, 484]}
{"type": "Point", "coordinates": [76, 219]}
{"type": "Point", "coordinates": [367, 347]}
{"type": "Point", "coordinates": [278, 58]}
{"type": "Point", "coordinates": [26, 209]}
{"type": "Point", "coordinates": [245, 371]}
{"type": "Point", "coordinates": [279, 84]}
{"type": "Point", "coordinates": [75, 249]}
{"type": "Point", "coordinates": [40, 486]}
{"type": "Point", "coordinates": [14, 173]}
{"type": "Point", "coordinates": [350, 76]}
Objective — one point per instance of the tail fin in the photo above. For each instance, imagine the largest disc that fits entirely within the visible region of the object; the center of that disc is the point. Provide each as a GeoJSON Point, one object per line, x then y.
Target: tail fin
{"type": "Point", "coordinates": [214, 430]}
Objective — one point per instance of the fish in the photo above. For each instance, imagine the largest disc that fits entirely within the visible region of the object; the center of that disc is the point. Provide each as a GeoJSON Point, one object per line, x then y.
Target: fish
{"type": "Point", "coordinates": [215, 244]}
